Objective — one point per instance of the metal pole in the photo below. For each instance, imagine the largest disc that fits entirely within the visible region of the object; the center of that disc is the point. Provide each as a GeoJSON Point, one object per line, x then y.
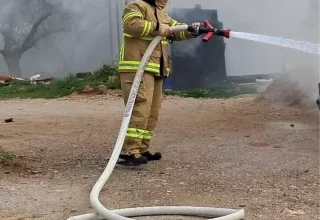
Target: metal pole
{"type": "Point", "coordinates": [110, 28]}
{"type": "Point", "coordinates": [119, 25]}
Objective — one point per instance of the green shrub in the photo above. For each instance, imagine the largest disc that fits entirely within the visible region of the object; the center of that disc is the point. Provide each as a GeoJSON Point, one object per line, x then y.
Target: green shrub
{"type": "Point", "coordinates": [106, 75]}
{"type": "Point", "coordinates": [222, 90]}
{"type": "Point", "coordinates": [7, 156]}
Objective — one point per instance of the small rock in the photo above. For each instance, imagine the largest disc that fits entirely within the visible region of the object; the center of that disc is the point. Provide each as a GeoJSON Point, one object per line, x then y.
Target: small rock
{"type": "Point", "coordinates": [112, 79]}
{"type": "Point", "coordinates": [102, 89]}
{"type": "Point", "coordinates": [7, 172]}
{"type": "Point", "coordinates": [292, 125]}
{"type": "Point", "coordinates": [242, 205]}
{"type": "Point", "coordinates": [73, 210]}
{"type": "Point", "coordinates": [88, 89]}
{"type": "Point", "coordinates": [258, 144]}
{"type": "Point", "coordinates": [8, 120]}
{"type": "Point", "coordinates": [297, 212]}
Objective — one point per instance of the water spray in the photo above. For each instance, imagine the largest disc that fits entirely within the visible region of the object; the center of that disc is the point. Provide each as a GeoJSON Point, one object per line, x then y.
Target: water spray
{"type": "Point", "coordinates": [125, 214]}
{"type": "Point", "coordinates": [302, 46]}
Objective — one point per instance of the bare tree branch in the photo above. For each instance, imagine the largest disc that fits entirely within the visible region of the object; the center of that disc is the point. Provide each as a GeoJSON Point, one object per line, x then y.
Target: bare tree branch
{"type": "Point", "coordinates": [30, 38]}
{"type": "Point", "coordinates": [44, 35]}
{"type": "Point", "coordinates": [7, 37]}
{"type": "Point", "coordinates": [29, 22]}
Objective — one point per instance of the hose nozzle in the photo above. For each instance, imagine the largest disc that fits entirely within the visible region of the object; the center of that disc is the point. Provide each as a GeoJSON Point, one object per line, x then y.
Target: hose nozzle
{"type": "Point", "coordinates": [223, 32]}
{"type": "Point", "coordinates": [210, 31]}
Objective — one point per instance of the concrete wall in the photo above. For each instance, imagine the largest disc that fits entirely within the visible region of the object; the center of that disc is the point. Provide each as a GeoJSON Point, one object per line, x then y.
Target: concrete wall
{"type": "Point", "coordinates": [295, 19]}
{"type": "Point", "coordinates": [97, 45]}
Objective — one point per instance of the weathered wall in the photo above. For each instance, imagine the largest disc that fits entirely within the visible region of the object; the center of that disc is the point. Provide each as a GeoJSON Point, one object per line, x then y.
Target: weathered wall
{"type": "Point", "coordinates": [196, 64]}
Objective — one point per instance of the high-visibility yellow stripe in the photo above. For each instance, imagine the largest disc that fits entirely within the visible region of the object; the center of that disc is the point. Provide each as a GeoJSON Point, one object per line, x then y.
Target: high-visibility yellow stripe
{"type": "Point", "coordinates": [122, 52]}
{"type": "Point", "coordinates": [137, 130]}
{"type": "Point", "coordinates": [163, 41]}
{"type": "Point", "coordinates": [128, 68]}
{"type": "Point", "coordinates": [147, 28]}
{"type": "Point", "coordinates": [137, 133]}
{"type": "Point", "coordinates": [137, 63]}
{"type": "Point", "coordinates": [133, 68]}
{"type": "Point", "coordinates": [148, 135]}
{"type": "Point", "coordinates": [174, 23]}
{"type": "Point", "coordinates": [131, 15]}
{"type": "Point", "coordinates": [182, 35]}
{"type": "Point", "coordinates": [134, 65]}
{"type": "Point", "coordinates": [135, 136]}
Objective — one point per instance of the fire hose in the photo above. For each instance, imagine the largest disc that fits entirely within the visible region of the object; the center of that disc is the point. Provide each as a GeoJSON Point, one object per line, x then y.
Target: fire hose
{"type": "Point", "coordinates": [125, 214]}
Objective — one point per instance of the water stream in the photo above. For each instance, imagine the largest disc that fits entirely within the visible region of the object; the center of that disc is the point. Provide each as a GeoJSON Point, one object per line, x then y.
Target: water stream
{"type": "Point", "coordinates": [279, 41]}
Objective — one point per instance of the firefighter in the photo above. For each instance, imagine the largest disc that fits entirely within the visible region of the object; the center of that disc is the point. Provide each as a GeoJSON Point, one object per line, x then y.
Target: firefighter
{"type": "Point", "coordinates": [142, 21]}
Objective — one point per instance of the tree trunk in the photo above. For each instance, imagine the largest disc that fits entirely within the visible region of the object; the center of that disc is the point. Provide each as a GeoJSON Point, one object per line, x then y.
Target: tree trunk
{"type": "Point", "coordinates": [12, 60]}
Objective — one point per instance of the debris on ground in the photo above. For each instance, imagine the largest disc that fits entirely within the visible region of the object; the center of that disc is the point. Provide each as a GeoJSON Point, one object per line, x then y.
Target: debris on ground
{"type": "Point", "coordinates": [43, 78]}
{"type": "Point", "coordinates": [232, 153]}
{"type": "Point", "coordinates": [102, 89]}
{"type": "Point", "coordinates": [88, 90]}
{"type": "Point", "coordinates": [296, 88]}
{"type": "Point", "coordinates": [8, 120]}
{"type": "Point", "coordinates": [6, 79]}
{"type": "Point", "coordinates": [113, 79]}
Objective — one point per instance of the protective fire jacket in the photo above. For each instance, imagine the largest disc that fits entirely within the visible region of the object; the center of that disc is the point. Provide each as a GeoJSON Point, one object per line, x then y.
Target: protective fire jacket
{"type": "Point", "coordinates": [141, 20]}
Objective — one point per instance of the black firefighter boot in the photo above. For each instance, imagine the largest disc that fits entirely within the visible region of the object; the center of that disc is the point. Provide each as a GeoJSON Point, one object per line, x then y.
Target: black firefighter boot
{"type": "Point", "coordinates": [145, 151]}
{"type": "Point", "coordinates": [150, 156]}
{"type": "Point", "coordinates": [133, 160]}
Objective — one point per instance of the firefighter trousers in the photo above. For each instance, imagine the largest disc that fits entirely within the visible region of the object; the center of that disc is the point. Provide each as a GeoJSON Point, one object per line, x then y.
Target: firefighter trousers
{"type": "Point", "coordinates": [145, 112]}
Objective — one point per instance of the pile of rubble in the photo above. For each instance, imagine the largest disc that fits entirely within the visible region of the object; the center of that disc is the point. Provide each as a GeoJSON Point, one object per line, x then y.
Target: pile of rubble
{"type": "Point", "coordinates": [39, 78]}
{"type": "Point", "coordinates": [299, 87]}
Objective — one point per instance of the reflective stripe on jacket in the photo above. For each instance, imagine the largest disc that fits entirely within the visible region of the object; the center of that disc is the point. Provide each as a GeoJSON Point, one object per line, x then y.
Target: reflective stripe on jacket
{"type": "Point", "coordinates": [139, 29]}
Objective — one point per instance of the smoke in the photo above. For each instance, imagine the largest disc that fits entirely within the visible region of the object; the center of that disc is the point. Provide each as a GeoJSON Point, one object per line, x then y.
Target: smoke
{"type": "Point", "coordinates": [189, 47]}
{"type": "Point", "coordinates": [6, 6]}
{"type": "Point", "coordinates": [293, 19]}
{"type": "Point", "coordinates": [96, 39]}
{"type": "Point", "coordinates": [86, 48]}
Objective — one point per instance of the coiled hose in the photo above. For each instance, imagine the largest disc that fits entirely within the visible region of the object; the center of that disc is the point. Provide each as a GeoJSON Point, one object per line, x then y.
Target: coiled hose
{"type": "Point", "coordinates": [125, 214]}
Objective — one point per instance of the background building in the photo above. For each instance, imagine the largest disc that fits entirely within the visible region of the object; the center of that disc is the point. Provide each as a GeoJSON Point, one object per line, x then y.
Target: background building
{"type": "Point", "coordinates": [99, 39]}
{"type": "Point", "coordinates": [196, 64]}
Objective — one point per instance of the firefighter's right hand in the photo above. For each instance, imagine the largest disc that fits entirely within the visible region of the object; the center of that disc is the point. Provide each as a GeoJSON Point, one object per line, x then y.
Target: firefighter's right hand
{"type": "Point", "coordinates": [164, 30]}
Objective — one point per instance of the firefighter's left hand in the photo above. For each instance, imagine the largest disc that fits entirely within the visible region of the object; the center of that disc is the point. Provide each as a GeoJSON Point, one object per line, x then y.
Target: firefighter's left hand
{"type": "Point", "coordinates": [196, 25]}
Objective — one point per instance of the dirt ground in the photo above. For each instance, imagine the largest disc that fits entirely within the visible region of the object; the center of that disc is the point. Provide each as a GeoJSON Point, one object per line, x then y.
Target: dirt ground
{"type": "Point", "coordinates": [231, 153]}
